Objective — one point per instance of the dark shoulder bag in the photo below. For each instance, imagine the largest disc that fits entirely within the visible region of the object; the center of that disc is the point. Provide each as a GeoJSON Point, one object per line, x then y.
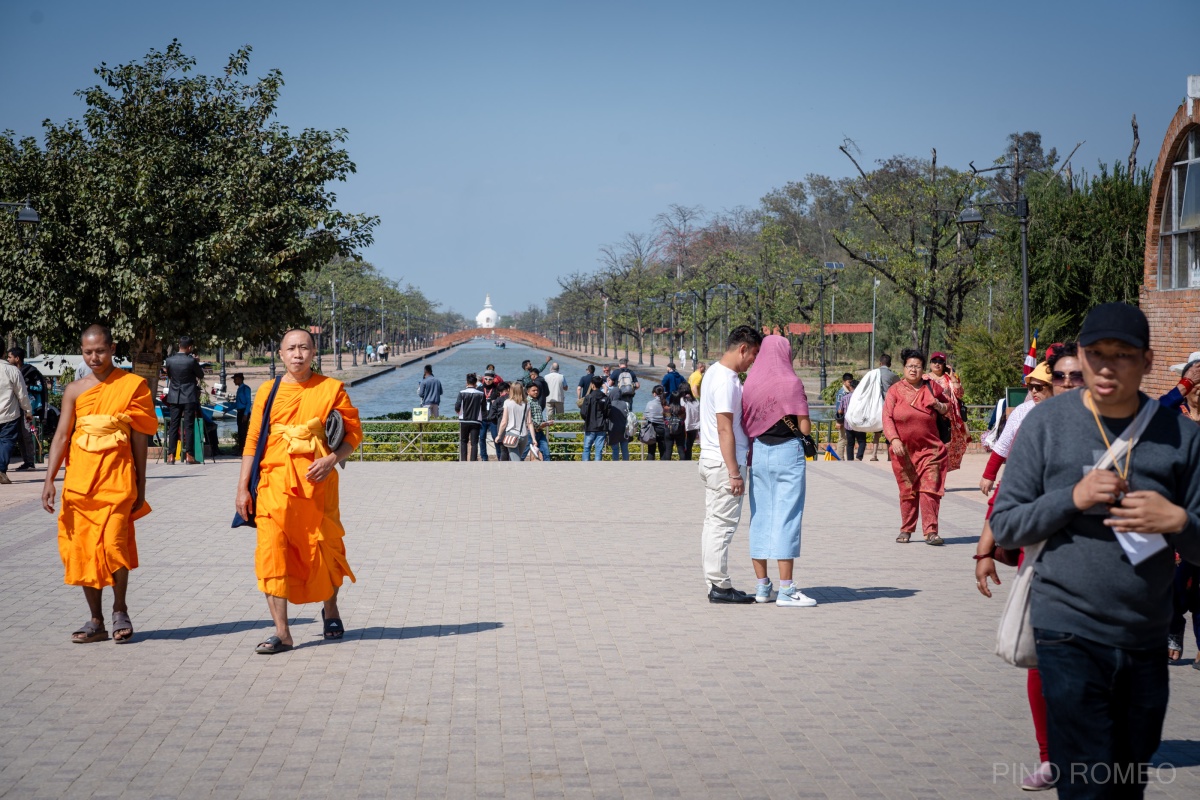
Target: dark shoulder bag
{"type": "Point", "coordinates": [264, 431]}
{"type": "Point", "coordinates": [943, 422]}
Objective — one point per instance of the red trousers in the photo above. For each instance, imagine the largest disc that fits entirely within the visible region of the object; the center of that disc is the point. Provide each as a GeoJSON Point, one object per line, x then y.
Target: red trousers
{"type": "Point", "coordinates": [1037, 705]}
{"type": "Point", "coordinates": [928, 505]}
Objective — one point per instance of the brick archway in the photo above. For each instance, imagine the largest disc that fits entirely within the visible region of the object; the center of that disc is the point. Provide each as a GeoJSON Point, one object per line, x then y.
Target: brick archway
{"type": "Point", "coordinates": [511, 334]}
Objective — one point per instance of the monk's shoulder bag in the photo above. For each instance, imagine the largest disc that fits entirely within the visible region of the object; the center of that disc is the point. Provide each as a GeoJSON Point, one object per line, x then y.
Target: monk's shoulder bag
{"type": "Point", "coordinates": [264, 431]}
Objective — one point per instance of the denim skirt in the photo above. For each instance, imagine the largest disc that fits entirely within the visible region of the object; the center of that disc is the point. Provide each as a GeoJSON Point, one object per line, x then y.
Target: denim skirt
{"type": "Point", "coordinates": [776, 499]}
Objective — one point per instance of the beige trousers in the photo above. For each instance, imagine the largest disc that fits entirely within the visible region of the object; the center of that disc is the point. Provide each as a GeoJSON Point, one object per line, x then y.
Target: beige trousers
{"type": "Point", "coordinates": [722, 513]}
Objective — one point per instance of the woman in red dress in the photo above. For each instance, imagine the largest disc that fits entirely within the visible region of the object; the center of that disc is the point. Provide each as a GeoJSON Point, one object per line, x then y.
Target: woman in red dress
{"type": "Point", "coordinates": [951, 386]}
{"type": "Point", "coordinates": [918, 455]}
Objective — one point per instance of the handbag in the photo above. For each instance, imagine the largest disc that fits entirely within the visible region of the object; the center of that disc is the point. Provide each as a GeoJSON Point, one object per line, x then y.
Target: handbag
{"type": "Point", "coordinates": [1015, 642]}
{"type": "Point", "coordinates": [806, 441]}
{"type": "Point", "coordinates": [264, 431]}
{"type": "Point", "coordinates": [511, 439]}
{"type": "Point", "coordinates": [647, 434]}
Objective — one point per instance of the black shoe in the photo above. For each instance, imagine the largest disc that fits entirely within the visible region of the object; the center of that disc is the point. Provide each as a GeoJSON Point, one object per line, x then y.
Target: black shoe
{"type": "Point", "coordinates": [24, 468]}
{"type": "Point", "coordinates": [730, 595]}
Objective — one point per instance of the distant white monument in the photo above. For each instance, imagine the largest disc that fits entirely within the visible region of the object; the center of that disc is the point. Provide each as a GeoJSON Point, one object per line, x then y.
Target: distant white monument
{"type": "Point", "coordinates": [488, 317]}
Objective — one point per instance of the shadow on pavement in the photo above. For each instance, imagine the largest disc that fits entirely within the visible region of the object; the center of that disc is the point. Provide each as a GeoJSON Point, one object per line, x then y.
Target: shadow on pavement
{"type": "Point", "coordinates": [1178, 753]}
{"type": "Point", "coordinates": [421, 631]}
{"type": "Point", "coordinates": [215, 629]}
{"type": "Point", "coordinates": [844, 594]}
{"type": "Point", "coordinates": [958, 539]}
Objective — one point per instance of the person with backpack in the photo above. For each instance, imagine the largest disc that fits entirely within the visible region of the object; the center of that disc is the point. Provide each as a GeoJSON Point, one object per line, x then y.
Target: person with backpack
{"type": "Point", "coordinates": [675, 425]}
{"type": "Point", "coordinates": [672, 380]}
{"type": "Point", "coordinates": [595, 421]}
{"type": "Point", "coordinates": [625, 380]}
{"type": "Point", "coordinates": [622, 426]}
{"type": "Point", "coordinates": [691, 414]}
{"type": "Point", "coordinates": [654, 429]}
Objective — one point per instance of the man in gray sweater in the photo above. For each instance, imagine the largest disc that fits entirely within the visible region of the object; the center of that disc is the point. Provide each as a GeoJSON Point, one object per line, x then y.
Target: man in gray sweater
{"type": "Point", "coordinates": [1100, 622]}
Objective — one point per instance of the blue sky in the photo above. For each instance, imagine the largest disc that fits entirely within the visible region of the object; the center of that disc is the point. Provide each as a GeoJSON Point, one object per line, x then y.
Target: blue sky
{"type": "Point", "coordinates": [502, 143]}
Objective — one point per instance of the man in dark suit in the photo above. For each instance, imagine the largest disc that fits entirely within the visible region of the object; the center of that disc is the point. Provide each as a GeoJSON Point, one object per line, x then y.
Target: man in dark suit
{"type": "Point", "coordinates": [183, 398]}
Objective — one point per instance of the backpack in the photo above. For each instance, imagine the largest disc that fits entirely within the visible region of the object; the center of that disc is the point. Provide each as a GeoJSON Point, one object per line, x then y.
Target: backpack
{"type": "Point", "coordinates": [625, 383]}
{"type": "Point", "coordinates": [674, 425]}
{"type": "Point", "coordinates": [631, 425]}
{"type": "Point", "coordinates": [647, 434]}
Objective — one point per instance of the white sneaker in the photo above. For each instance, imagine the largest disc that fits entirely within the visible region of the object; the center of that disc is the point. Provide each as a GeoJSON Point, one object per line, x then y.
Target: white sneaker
{"type": "Point", "coordinates": [792, 596]}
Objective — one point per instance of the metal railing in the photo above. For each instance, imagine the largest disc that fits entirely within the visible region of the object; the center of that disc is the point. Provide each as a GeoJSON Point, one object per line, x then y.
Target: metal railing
{"type": "Point", "coordinates": [438, 440]}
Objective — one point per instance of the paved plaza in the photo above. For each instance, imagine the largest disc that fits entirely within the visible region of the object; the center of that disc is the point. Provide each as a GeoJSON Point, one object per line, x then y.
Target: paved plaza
{"type": "Point", "coordinates": [531, 630]}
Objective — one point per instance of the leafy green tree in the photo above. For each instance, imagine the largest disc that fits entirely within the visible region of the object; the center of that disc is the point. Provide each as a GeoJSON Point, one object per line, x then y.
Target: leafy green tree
{"type": "Point", "coordinates": [176, 207]}
{"type": "Point", "coordinates": [1087, 240]}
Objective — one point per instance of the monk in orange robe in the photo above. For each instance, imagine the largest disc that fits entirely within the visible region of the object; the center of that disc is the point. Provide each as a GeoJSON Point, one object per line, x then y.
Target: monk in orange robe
{"type": "Point", "coordinates": [107, 419]}
{"type": "Point", "coordinates": [300, 556]}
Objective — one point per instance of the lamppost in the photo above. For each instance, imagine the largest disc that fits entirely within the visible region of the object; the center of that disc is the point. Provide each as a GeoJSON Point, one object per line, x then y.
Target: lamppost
{"type": "Point", "coordinates": [681, 296]}
{"type": "Point", "coordinates": [821, 284]}
{"type": "Point", "coordinates": [971, 222]}
{"type": "Point", "coordinates": [874, 290]}
{"type": "Point", "coordinates": [382, 330]}
{"type": "Point", "coordinates": [337, 361]}
{"type": "Point", "coordinates": [604, 330]}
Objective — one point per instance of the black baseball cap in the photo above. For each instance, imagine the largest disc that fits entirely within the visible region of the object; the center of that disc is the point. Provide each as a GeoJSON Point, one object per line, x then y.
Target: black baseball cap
{"type": "Point", "coordinates": [1119, 321]}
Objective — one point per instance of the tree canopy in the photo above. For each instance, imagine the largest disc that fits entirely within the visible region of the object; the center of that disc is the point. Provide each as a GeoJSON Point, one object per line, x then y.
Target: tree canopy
{"type": "Point", "coordinates": [178, 206]}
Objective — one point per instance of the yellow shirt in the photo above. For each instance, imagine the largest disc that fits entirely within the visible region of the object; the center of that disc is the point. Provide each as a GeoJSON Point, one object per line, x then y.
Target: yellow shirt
{"type": "Point", "coordinates": [694, 381]}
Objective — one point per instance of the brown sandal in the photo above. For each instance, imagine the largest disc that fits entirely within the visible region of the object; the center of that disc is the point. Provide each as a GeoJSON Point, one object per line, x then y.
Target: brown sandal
{"type": "Point", "coordinates": [904, 538]}
{"type": "Point", "coordinates": [90, 632]}
{"type": "Point", "coordinates": [934, 540]}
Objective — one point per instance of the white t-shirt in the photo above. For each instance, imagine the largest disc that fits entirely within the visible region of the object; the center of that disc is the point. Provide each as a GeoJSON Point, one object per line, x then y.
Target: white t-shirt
{"type": "Point", "coordinates": [555, 381]}
{"type": "Point", "coordinates": [722, 395]}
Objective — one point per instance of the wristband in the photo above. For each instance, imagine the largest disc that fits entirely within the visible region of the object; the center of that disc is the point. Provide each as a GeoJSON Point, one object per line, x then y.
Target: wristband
{"type": "Point", "coordinates": [981, 556]}
{"type": "Point", "coordinates": [1186, 386]}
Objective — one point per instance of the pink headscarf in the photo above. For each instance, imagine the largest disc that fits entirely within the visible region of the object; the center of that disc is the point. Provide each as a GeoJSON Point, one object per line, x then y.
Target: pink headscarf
{"type": "Point", "coordinates": [772, 388]}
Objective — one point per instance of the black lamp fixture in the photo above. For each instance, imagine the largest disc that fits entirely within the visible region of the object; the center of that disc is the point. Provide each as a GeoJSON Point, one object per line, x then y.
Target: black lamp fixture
{"type": "Point", "coordinates": [26, 214]}
{"type": "Point", "coordinates": [970, 222]}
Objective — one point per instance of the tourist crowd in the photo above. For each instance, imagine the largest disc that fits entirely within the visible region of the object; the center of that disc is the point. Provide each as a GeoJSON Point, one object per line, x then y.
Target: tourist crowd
{"type": "Point", "coordinates": [1099, 503]}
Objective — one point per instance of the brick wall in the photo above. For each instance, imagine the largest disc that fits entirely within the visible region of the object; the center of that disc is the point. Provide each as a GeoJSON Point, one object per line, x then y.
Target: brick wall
{"type": "Point", "coordinates": [1175, 314]}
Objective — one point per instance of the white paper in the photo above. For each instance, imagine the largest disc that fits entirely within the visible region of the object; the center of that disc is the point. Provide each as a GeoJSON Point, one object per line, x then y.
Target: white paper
{"type": "Point", "coordinates": [1140, 546]}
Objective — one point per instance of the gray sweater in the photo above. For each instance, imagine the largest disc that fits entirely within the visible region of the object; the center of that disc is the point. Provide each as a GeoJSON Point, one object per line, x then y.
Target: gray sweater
{"type": "Point", "coordinates": [1084, 583]}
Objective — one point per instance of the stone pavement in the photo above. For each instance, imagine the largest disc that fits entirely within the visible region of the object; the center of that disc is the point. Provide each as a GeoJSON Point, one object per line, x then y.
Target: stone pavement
{"type": "Point", "coordinates": [534, 630]}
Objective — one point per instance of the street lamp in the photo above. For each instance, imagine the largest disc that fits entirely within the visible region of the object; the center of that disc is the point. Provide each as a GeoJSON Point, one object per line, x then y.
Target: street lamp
{"type": "Point", "coordinates": [970, 221]}
{"type": "Point", "coordinates": [821, 284]}
{"type": "Point", "coordinates": [874, 291]}
{"type": "Point", "coordinates": [26, 215]}
{"type": "Point", "coordinates": [681, 296]}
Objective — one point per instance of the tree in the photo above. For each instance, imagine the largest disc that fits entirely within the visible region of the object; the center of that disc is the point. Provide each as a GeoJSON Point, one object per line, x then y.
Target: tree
{"type": "Point", "coordinates": [906, 233]}
{"type": "Point", "coordinates": [1087, 240]}
{"type": "Point", "coordinates": [176, 207]}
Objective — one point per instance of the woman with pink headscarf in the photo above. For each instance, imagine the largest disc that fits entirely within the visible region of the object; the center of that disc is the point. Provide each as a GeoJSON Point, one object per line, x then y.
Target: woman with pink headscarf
{"type": "Point", "coordinates": [774, 414]}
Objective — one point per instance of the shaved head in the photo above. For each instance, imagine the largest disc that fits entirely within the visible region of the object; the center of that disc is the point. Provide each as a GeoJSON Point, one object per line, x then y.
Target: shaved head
{"type": "Point", "coordinates": [97, 331]}
{"type": "Point", "coordinates": [312, 339]}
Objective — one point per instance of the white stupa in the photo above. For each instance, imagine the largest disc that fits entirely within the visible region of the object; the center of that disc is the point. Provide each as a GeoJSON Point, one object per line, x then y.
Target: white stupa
{"type": "Point", "coordinates": [488, 317]}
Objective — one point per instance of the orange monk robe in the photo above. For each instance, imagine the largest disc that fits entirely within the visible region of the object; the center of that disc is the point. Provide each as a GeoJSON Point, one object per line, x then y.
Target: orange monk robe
{"type": "Point", "coordinates": [95, 528]}
{"type": "Point", "coordinates": [300, 554]}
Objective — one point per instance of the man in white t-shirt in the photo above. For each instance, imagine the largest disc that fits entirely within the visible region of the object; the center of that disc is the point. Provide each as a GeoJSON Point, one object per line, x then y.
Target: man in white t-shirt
{"type": "Point", "coordinates": [682, 359]}
{"type": "Point", "coordinates": [723, 446]}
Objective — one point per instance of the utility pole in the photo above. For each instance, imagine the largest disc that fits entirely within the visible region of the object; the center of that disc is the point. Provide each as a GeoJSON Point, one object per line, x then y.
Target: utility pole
{"type": "Point", "coordinates": [874, 290]}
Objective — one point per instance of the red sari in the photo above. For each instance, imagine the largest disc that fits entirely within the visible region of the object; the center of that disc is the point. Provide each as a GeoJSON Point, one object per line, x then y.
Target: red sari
{"type": "Point", "coordinates": [909, 415]}
{"type": "Point", "coordinates": [959, 436]}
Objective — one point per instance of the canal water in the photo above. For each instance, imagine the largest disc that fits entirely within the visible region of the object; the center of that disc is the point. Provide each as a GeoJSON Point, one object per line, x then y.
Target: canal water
{"type": "Point", "coordinates": [397, 390]}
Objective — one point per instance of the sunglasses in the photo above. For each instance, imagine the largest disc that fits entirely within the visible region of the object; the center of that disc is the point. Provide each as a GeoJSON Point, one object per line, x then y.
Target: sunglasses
{"type": "Point", "coordinates": [937, 361]}
{"type": "Point", "coordinates": [1038, 387]}
{"type": "Point", "coordinates": [1060, 378]}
